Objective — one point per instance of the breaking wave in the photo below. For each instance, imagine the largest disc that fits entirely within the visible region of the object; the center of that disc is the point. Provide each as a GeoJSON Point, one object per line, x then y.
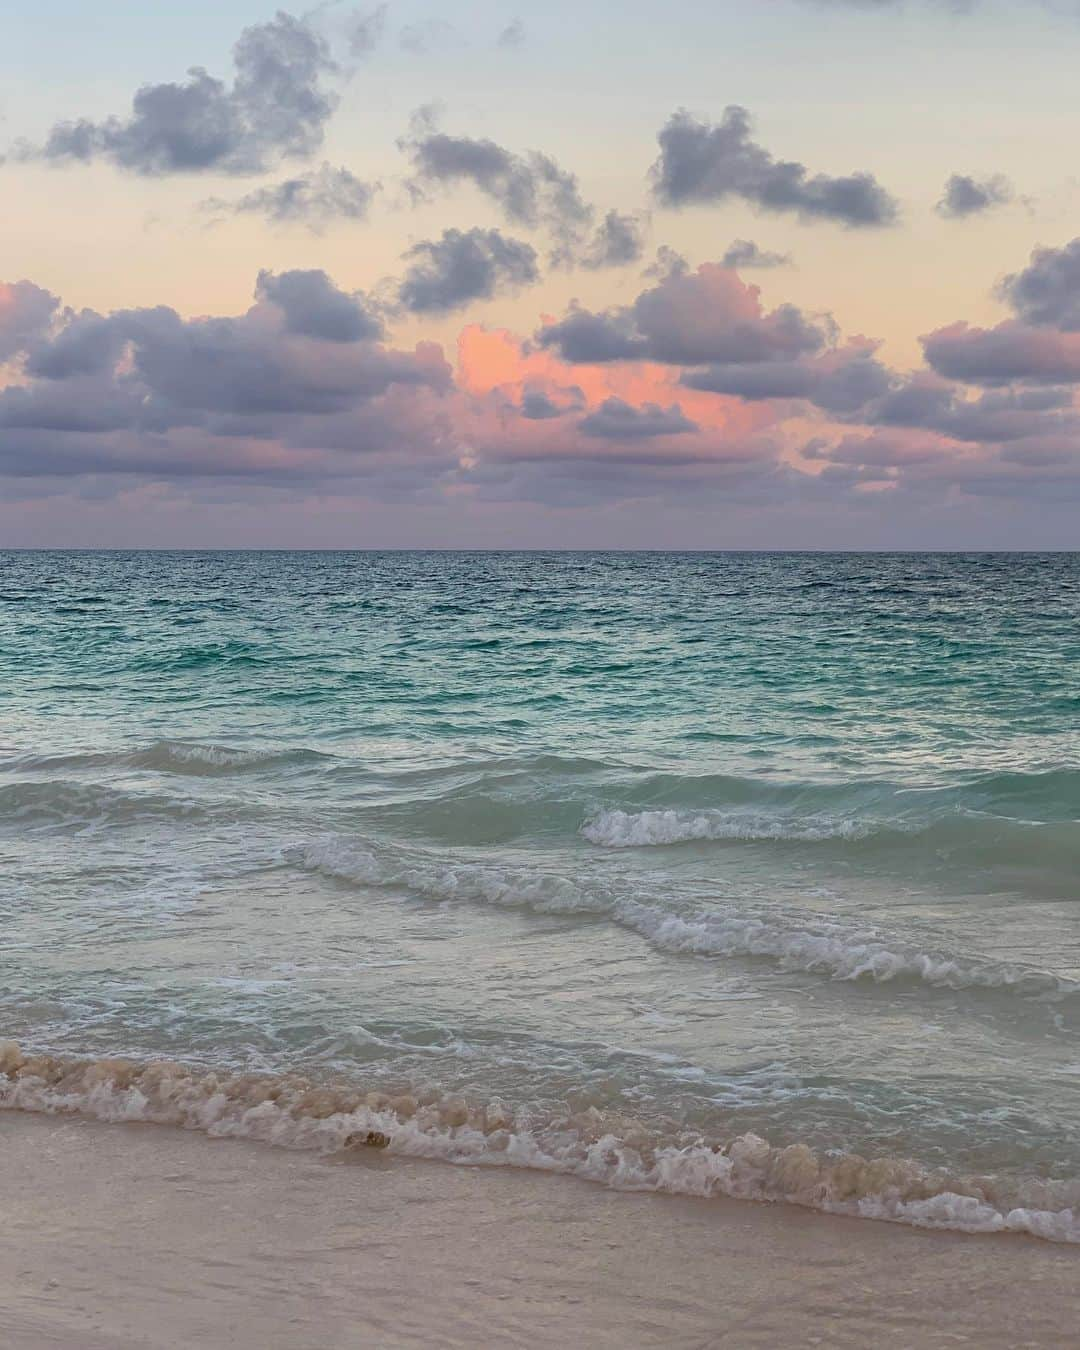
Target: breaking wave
{"type": "Point", "coordinates": [614, 1150]}
{"type": "Point", "coordinates": [819, 947]}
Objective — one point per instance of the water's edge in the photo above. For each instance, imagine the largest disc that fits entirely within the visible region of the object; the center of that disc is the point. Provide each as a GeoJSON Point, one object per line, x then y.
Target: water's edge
{"type": "Point", "coordinates": [299, 1113]}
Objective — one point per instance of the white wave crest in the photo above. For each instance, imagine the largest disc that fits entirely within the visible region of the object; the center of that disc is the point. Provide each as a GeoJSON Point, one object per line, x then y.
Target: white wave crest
{"type": "Point", "coordinates": [841, 956]}
{"type": "Point", "coordinates": [644, 829]}
{"type": "Point", "coordinates": [542, 892]}
{"type": "Point", "coordinates": [615, 1151]}
{"type": "Point", "coordinates": [795, 942]}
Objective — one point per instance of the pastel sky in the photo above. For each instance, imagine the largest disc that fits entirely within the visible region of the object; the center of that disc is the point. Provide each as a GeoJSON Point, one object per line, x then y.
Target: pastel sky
{"type": "Point", "coordinates": [705, 274]}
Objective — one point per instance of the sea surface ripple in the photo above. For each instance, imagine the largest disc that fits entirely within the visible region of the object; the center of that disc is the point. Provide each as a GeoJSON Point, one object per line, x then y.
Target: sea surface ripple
{"type": "Point", "coordinates": [752, 873]}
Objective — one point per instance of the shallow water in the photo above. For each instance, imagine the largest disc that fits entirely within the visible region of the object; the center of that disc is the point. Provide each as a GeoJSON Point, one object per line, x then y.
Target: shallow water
{"type": "Point", "coordinates": [663, 851]}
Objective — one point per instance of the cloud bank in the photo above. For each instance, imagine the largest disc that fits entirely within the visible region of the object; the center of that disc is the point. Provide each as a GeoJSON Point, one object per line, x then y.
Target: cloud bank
{"type": "Point", "coordinates": [694, 393]}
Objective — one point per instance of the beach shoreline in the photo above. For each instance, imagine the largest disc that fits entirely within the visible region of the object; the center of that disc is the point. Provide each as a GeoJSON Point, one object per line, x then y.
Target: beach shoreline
{"type": "Point", "coordinates": [134, 1237]}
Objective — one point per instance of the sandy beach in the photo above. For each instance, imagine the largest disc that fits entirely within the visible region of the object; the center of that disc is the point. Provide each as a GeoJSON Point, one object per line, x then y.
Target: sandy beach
{"type": "Point", "coordinates": [134, 1237]}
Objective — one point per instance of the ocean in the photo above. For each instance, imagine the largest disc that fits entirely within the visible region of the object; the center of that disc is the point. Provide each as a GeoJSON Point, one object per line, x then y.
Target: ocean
{"type": "Point", "coordinates": [740, 874]}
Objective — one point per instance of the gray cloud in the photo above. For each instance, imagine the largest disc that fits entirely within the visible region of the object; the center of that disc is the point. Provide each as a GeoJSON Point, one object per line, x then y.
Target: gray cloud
{"type": "Point", "coordinates": [838, 387]}
{"type": "Point", "coordinates": [848, 386]}
{"type": "Point", "coordinates": [1047, 291]}
{"type": "Point", "coordinates": [855, 387]}
{"type": "Point", "coordinates": [667, 263]}
{"type": "Point", "coordinates": [707, 316]}
{"type": "Point", "coordinates": [1012, 351]}
{"type": "Point", "coordinates": [86, 344]}
{"type": "Point", "coordinates": [619, 240]}
{"type": "Point", "coordinates": [464, 265]}
{"type": "Point", "coordinates": [744, 253]}
{"type": "Point", "coordinates": [312, 306]}
{"type": "Point", "coordinates": [781, 379]}
{"type": "Point", "coordinates": [1005, 416]}
{"type": "Point", "coordinates": [536, 406]}
{"type": "Point", "coordinates": [306, 346]}
{"type": "Point", "coordinates": [966, 196]}
{"type": "Point", "coordinates": [585, 337]}
{"type": "Point", "coordinates": [26, 311]}
{"type": "Point", "coordinates": [531, 190]}
{"type": "Point", "coordinates": [513, 35]}
{"type": "Point", "coordinates": [1039, 347]}
{"type": "Point", "coordinates": [704, 162]}
{"type": "Point", "coordinates": [616, 420]}
{"type": "Point", "coordinates": [295, 390]}
{"type": "Point", "coordinates": [313, 199]}
{"type": "Point", "coordinates": [276, 108]}
{"type": "Point", "coordinates": [365, 31]}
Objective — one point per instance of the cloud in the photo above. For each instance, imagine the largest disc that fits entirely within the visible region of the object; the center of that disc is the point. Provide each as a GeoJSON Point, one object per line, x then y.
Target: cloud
{"type": "Point", "coordinates": [537, 406]}
{"type": "Point", "coordinates": [755, 382]}
{"type": "Point", "coordinates": [966, 196]}
{"type": "Point", "coordinates": [638, 432]}
{"type": "Point", "coordinates": [707, 316]}
{"type": "Point", "coordinates": [305, 356]}
{"type": "Point", "coordinates": [619, 240]}
{"type": "Point", "coordinates": [313, 199]}
{"type": "Point", "coordinates": [1047, 291]}
{"type": "Point", "coordinates": [365, 31]}
{"type": "Point", "coordinates": [464, 265]}
{"type": "Point", "coordinates": [704, 162]}
{"type": "Point", "coordinates": [744, 253]}
{"type": "Point", "coordinates": [26, 311]}
{"type": "Point", "coordinates": [1040, 346]}
{"type": "Point", "coordinates": [583, 336]}
{"type": "Point", "coordinates": [694, 397]}
{"type": "Point", "coordinates": [842, 382]}
{"type": "Point", "coordinates": [513, 35]}
{"type": "Point", "coordinates": [276, 108]}
{"type": "Point", "coordinates": [616, 420]}
{"type": "Point", "coordinates": [1013, 351]}
{"type": "Point", "coordinates": [312, 306]}
{"type": "Point", "coordinates": [531, 190]}
{"type": "Point", "coordinates": [667, 263]}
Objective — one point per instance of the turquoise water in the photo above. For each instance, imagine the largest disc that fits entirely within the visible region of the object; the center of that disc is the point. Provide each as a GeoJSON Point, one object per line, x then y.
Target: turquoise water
{"type": "Point", "coordinates": [608, 862]}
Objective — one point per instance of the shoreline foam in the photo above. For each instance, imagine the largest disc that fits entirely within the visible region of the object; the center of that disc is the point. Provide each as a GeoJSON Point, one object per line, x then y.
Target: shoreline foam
{"type": "Point", "coordinates": [152, 1238]}
{"type": "Point", "coordinates": [298, 1113]}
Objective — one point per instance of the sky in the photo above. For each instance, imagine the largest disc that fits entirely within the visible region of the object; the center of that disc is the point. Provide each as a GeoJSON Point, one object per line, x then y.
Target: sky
{"type": "Point", "coordinates": [708, 274]}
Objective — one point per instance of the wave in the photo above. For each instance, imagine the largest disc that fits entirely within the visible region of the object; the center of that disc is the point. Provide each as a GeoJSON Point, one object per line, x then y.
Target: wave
{"type": "Point", "coordinates": [817, 947]}
{"type": "Point", "coordinates": [614, 1150]}
{"type": "Point", "coordinates": [638, 829]}
{"type": "Point", "coordinates": [186, 757]}
{"type": "Point", "coordinates": [79, 805]}
{"type": "Point", "coordinates": [1022, 821]}
{"type": "Point", "coordinates": [977, 843]}
{"type": "Point", "coordinates": [1051, 794]}
{"type": "Point", "coordinates": [191, 758]}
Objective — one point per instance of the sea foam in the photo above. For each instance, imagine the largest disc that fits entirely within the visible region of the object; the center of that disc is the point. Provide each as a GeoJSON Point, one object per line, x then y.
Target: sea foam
{"type": "Point", "coordinates": [295, 1111]}
{"type": "Point", "coordinates": [795, 942]}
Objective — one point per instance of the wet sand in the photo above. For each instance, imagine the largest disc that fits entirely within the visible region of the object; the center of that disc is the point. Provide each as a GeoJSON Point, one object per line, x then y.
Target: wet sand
{"type": "Point", "coordinates": [135, 1237]}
